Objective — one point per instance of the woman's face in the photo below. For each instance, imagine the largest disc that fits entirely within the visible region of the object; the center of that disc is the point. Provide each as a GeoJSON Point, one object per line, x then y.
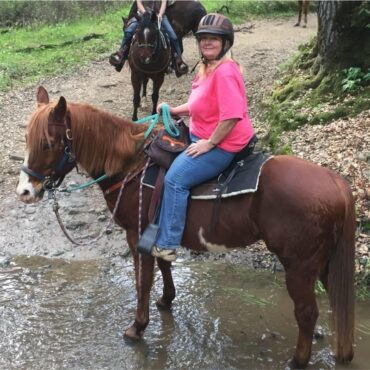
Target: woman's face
{"type": "Point", "coordinates": [210, 46]}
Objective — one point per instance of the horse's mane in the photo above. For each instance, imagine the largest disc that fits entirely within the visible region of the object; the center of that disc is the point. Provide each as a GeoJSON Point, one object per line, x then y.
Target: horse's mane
{"type": "Point", "coordinates": [102, 142]}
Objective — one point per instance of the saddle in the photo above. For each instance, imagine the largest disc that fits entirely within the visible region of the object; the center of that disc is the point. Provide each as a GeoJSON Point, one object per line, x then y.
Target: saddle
{"type": "Point", "coordinates": [240, 177]}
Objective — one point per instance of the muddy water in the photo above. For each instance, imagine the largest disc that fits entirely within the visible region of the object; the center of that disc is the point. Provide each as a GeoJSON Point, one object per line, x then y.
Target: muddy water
{"type": "Point", "coordinates": [55, 314]}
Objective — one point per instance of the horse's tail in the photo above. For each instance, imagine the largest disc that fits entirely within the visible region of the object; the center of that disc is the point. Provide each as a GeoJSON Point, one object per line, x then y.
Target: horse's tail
{"type": "Point", "coordinates": [341, 280]}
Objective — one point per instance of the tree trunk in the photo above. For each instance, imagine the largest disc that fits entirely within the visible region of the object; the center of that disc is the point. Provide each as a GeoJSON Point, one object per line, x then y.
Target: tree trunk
{"type": "Point", "coordinates": [343, 39]}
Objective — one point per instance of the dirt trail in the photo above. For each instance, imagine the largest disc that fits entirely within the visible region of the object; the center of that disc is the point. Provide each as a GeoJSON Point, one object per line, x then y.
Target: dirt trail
{"type": "Point", "coordinates": [32, 229]}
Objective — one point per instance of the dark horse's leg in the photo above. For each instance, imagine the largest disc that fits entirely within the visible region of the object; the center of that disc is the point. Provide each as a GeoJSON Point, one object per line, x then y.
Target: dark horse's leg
{"type": "Point", "coordinates": [157, 83]}
{"type": "Point", "coordinates": [306, 4]}
{"type": "Point", "coordinates": [301, 290]}
{"type": "Point", "coordinates": [136, 81]}
{"type": "Point", "coordinates": [144, 272]}
{"type": "Point", "coordinates": [145, 84]}
{"type": "Point", "coordinates": [300, 5]}
{"type": "Point", "coordinates": [169, 291]}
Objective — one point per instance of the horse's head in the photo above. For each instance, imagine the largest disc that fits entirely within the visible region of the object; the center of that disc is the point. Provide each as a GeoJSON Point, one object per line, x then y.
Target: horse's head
{"type": "Point", "coordinates": [147, 37]}
{"type": "Point", "coordinates": [49, 149]}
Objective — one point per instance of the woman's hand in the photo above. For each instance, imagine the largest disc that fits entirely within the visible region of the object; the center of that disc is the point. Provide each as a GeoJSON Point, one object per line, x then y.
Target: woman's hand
{"type": "Point", "coordinates": [159, 107]}
{"type": "Point", "coordinates": [200, 147]}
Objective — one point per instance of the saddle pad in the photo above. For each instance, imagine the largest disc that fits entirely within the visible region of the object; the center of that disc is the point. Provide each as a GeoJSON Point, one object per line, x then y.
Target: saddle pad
{"type": "Point", "coordinates": [244, 181]}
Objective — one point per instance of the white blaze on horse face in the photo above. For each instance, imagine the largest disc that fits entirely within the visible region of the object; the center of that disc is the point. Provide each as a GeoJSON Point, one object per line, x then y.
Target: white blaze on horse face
{"type": "Point", "coordinates": [25, 188]}
{"type": "Point", "coordinates": [211, 247]}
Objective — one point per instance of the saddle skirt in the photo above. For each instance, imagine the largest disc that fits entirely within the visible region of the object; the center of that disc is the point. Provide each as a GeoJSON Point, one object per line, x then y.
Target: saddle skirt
{"type": "Point", "coordinates": [239, 178]}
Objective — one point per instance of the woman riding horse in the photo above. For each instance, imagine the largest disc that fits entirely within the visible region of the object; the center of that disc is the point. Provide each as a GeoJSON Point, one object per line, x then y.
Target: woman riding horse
{"type": "Point", "coordinates": [118, 58]}
{"type": "Point", "coordinates": [219, 127]}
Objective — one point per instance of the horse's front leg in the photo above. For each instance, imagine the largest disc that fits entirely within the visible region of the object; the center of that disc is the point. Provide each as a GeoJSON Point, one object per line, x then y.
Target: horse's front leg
{"type": "Point", "coordinates": [144, 271]}
{"type": "Point", "coordinates": [169, 291]}
{"type": "Point", "coordinates": [157, 83]}
{"type": "Point", "coordinates": [145, 84]}
{"type": "Point", "coordinates": [136, 84]}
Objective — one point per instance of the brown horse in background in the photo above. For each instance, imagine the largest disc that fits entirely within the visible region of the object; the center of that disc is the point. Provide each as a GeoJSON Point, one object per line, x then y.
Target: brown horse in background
{"type": "Point", "coordinates": [149, 58]}
{"type": "Point", "coordinates": [304, 213]}
{"type": "Point", "coordinates": [184, 16]}
{"type": "Point", "coordinates": [303, 6]}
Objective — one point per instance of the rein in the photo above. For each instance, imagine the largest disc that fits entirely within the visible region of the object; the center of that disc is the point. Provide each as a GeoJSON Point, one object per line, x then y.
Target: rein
{"type": "Point", "coordinates": [108, 227]}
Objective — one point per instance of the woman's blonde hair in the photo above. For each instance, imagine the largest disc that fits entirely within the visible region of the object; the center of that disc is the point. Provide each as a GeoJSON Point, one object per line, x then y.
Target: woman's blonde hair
{"type": "Point", "coordinates": [202, 70]}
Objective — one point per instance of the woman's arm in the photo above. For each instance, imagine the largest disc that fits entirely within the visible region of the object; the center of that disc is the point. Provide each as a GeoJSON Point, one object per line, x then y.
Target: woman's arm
{"type": "Point", "coordinates": [222, 129]}
{"type": "Point", "coordinates": [140, 6]}
{"type": "Point", "coordinates": [204, 146]}
{"type": "Point", "coordinates": [162, 9]}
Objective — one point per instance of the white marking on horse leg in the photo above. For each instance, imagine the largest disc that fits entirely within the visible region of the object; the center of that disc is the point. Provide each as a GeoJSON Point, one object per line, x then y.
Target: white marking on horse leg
{"type": "Point", "coordinates": [211, 247]}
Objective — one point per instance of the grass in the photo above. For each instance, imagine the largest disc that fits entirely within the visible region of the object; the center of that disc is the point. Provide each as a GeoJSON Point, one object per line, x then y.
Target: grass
{"type": "Point", "coordinates": [35, 52]}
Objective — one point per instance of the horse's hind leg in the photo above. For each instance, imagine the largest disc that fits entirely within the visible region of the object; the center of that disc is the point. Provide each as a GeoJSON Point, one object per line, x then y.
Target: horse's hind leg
{"type": "Point", "coordinates": [300, 6]}
{"type": "Point", "coordinates": [169, 291]}
{"type": "Point", "coordinates": [305, 11]}
{"type": "Point", "coordinates": [301, 290]}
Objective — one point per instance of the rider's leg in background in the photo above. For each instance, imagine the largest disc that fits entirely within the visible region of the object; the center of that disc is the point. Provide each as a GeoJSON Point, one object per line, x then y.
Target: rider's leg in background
{"type": "Point", "coordinates": [118, 58]}
{"type": "Point", "coordinates": [175, 45]}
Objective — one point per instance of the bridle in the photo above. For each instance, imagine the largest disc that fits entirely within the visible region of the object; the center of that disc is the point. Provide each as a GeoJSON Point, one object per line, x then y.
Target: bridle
{"type": "Point", "coordinates": [58, 171]}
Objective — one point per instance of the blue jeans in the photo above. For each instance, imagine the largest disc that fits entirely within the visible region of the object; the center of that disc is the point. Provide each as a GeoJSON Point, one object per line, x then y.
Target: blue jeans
{"type": "Point", "coordinates": [130, 31]}
{"type": "Point", "coordinates": [185, 173]}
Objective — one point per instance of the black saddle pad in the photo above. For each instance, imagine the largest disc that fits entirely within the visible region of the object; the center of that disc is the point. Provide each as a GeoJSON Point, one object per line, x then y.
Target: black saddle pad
{"type": "Point", "coordinates": [245, 179]}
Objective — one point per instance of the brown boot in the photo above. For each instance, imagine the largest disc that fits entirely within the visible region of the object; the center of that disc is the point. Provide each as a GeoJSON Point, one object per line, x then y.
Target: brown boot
{"type": "Point", "coordinates": [181, 67]}
{"type": "Point", "coordinates": [117, 59]}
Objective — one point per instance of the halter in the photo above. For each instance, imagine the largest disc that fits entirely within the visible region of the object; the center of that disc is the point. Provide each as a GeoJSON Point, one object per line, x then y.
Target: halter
{"type": "Point", "coordinates": [56, 177]}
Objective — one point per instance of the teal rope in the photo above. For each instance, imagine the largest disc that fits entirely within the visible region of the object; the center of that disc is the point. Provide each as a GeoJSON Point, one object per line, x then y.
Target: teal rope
{"type": "Point", "coordinates": [72, 188]}
{"type": "Point", "coordinates": [168, 123]}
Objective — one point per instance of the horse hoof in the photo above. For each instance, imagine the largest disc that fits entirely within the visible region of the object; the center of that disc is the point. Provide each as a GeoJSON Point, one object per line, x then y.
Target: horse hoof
{"type": "Point", "coordinates": [132, 334]}
{"type": "Point", "coordinates": [163, 305]}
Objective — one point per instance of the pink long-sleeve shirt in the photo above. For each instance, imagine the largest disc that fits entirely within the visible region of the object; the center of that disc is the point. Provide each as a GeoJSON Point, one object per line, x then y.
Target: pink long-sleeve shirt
{"type": "Point", "coordinates": [220, 96]}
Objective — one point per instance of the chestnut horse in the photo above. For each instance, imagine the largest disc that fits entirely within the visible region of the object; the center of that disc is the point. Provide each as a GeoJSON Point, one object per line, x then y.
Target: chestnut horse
{"type": "Point", "coordinates": [304, 213]}
{"type": "Point", "coordinates": [149, 58]}
{"type": "Point", "coordinates": [303, 6]}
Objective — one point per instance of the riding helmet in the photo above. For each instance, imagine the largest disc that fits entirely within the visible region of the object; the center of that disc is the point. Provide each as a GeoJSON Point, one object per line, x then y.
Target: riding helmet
{"type": "Point", "coordinates": [217, 24]}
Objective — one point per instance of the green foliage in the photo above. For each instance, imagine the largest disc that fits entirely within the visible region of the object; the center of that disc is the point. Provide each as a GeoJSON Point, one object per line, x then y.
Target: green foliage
{"type": "Point", "coordinates": [34, 52]}
{"type": "Point", "coordinates": [319, 288]}
{"type": "Point", "coordinates": [354, 78]}
{"type": "Point", "coordinates": [301, 97]}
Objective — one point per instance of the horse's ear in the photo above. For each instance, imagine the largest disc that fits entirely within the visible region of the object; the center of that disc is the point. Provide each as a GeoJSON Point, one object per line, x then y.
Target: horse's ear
{"type": "Point", "coordinates": [42, 96]}
{"type": "Point", "coordinates": [60, 110]}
